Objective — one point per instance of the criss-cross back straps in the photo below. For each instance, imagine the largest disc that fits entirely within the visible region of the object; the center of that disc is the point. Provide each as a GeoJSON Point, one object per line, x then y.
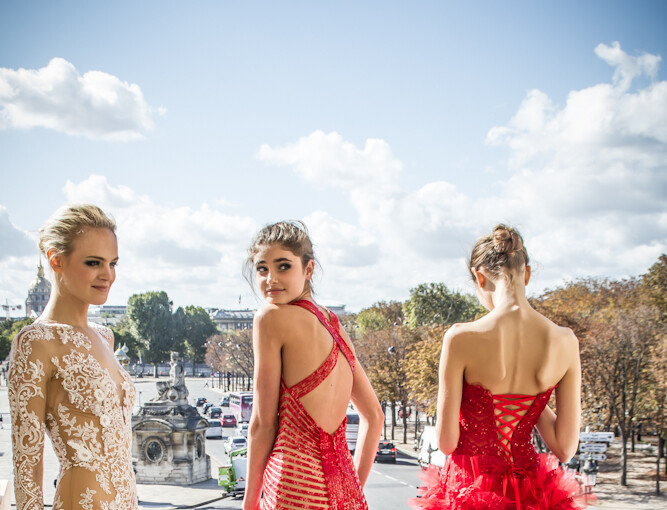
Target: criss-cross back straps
{"type": "Point", "coordinates": [313, 380]}
{"type": "Point", "coordinates": [509, 409]}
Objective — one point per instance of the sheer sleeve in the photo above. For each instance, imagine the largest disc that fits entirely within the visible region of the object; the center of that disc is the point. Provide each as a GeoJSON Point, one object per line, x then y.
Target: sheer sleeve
{"type": "Point", "coordinates": [29, 371]}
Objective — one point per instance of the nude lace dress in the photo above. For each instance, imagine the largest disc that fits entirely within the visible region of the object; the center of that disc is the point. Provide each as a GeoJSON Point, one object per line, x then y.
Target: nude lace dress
{"type": "Point", "coordinates": [70, 385]}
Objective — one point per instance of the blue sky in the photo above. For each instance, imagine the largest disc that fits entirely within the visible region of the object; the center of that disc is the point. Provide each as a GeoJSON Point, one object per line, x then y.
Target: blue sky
{"type": "Point", "coordinates": [399, 132]}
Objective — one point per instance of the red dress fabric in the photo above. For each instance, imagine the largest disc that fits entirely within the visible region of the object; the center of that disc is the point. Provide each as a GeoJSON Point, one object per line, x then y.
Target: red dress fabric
{"type": "Point", "coordinates": [495, 465]}
{"type": "Point", "coordinates": [309, 468]}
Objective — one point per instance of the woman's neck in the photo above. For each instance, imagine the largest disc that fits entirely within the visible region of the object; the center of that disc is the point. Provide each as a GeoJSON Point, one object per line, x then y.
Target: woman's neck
{"type": "Point", "coordinates": [66, 310]}
{"type": "Point", "coordinates": [509, 295]}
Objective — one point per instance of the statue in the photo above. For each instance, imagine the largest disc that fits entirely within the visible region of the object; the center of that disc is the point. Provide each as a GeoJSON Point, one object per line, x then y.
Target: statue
{"type": "Point", "coordinates": [169, 435]}
{"type": "Point", "coordinates": [173, 390]}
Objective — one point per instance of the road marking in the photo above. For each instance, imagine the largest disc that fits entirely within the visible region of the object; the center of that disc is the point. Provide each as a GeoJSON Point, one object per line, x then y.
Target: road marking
{"type": "Point", "coordinates": [393, 479]}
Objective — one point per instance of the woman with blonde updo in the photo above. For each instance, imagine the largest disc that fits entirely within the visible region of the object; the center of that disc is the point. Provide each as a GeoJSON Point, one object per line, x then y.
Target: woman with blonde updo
{"type": "Point", "coordinates": [306, 374]}
{"type": "Point", "coordinates": [496, 377]}
{"type": "Point", "coordinates": [64, 379]}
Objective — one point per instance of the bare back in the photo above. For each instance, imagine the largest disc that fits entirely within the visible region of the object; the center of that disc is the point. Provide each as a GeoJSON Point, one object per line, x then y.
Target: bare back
{"type": "Point", "coordinates": [305, 348]}
{"type": "Point", "coordinates": [514, 352]}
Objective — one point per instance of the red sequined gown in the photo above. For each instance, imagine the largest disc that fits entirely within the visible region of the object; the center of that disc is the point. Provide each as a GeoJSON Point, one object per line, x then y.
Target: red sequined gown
{"type": "Point", "coordinates": [309, 468]}
{"type": "Point", "coordinates": [495, 465]}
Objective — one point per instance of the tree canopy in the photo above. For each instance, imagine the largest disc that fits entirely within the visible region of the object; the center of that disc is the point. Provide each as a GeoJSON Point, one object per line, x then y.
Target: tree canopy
{"type": "Point", "coordinates": [150, 318]}
{"type": "Point", "coordinates": [434, 303]}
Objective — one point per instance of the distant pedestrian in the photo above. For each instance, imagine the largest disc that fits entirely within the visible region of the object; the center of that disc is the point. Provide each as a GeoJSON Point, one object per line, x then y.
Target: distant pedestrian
{"type": "Point", "coordinates": [1, 424]}
{"type": "Point", "coordinates": [496, 376]}
{"type": "Point", "coordinates": [306, 373]}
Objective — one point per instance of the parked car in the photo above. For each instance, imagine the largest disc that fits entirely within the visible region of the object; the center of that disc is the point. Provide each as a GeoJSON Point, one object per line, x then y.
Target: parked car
{"type": "Point", "coordinates": [235, 443]}
{"type": "Point", "coordinates": [215, 412]}
{"type": "Point", "coordinates": [386, 452]}
{"type": "Point", "coordinates": [242, 430]}
{"type": "Point", "coordinates": [429, 452]}
{"type": "Point", "coordinates": [200, 401]}
{"type": "Point", "coordinates": [228, 420]}
{"type": "Point", "coordinates": [214, 428]}
{"type": "Point", "coordinates": [224, 401]}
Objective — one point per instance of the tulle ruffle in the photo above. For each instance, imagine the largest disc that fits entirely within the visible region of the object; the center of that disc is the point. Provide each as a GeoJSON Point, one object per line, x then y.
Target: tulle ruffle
{"type": "Point", "coordinates": [483, 483]}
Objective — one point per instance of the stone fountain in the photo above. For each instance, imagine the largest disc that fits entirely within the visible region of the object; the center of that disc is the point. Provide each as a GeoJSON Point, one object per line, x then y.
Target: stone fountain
{"type": "Point", "coordinates": [168, 435]}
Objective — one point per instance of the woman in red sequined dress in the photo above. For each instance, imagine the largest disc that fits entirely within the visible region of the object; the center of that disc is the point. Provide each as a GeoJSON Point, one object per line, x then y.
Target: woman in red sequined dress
{"type": "Point", "coordinates": [305, 376]}
{"type": "Point", "coordinates": [496, 377]}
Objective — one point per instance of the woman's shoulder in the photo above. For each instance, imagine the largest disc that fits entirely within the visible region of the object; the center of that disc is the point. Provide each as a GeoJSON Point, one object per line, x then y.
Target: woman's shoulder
{"type": "Point", "coordinates": [554, 331]}
{"type": "Point", "coordinates": [36, 331]}
{"type": "Point", "coordinates": [31, 335]}
{"type": "Point", "coordinates": [275, 315]}
{"type": "Point", "coordinates": [104, 331]}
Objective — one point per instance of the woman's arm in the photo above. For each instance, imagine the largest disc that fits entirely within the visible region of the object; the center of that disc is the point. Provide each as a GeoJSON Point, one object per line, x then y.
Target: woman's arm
{"type": "Point", "coordinates": [371, 419]}
{"type": "Point", "coordinates": [449, 392]}
{"type": "Point", "coordinates": [267, 342]}
{"type": "Point", "coordinates": [561, 431]}
{"type": "Point", "coordinates": [29, 372]}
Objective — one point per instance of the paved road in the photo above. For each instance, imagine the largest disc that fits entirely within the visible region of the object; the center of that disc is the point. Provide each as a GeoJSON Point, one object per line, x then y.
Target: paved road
{"type": "Point", "coordinates": [389, 486]}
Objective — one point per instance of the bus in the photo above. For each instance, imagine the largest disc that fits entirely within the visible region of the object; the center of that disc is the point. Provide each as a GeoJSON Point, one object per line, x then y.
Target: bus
{"type": "Point", "coordinates": [352, 429]}
{"type": "Point", "coordinates": [240, 405]}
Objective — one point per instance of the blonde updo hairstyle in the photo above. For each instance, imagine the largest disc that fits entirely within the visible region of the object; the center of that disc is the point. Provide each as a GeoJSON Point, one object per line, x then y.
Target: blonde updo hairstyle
{"type": "Point", "coordinates": [292, 235]}
{"type": "Point", "coordinates": [501, 253]}
{"type": "Point", "coordinates": [58, 234]}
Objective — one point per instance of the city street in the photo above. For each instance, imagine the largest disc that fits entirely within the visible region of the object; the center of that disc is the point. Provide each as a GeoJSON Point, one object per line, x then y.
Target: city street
{"type": "Point", "coordinates": [389, 485]}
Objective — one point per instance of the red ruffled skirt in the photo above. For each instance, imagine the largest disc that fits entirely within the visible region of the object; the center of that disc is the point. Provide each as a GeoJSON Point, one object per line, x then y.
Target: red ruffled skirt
{"type": "Point", "coordinates": [485, 483]}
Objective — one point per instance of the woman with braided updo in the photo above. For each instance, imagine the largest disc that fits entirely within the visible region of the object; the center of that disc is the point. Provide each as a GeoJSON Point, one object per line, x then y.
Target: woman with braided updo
{"type": "Point", "coordinates": [496, 377]}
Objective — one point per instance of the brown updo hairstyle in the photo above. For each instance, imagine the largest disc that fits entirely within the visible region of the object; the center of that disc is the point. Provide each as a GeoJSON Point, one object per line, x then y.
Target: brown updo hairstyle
{"type": "Point", "coordinates": [61, 230]}
{"type": "Point", "coordinates": [501, 253]}
{"type": "Point", "coordinates": [291, 235]}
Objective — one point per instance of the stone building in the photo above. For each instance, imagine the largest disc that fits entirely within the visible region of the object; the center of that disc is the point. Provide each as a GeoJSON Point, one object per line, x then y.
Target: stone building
{"type": "Point", "coordinates": [38, 294]}
{"type": "Point", "coordinates": [232, 320]}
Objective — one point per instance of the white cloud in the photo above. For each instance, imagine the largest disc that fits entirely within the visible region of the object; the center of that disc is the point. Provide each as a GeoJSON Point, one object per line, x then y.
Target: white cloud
{"type": "Point", "coordinates": [194, 254]}
{"type": "Point", "coordinates": [585, 182]}
{"type": "Point", "coordinates": [95, 104]}
{"type": "Point", "coordinates": [627, 67]}
{"type": "Point", "coordinates": [587, 186]}
{"type": "Point", "coordinates": [13, 241]}
{"type": "Point", "coordinates": [327, 159]}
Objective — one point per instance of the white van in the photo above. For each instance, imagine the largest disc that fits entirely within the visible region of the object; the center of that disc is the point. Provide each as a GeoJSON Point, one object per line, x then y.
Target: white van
{"type": "Point", "coordinates": [429, 452]}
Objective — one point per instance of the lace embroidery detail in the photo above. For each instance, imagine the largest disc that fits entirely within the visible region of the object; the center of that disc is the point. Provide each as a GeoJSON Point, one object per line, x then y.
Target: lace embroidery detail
{"type": "Point", "coordinates": [89, 423]}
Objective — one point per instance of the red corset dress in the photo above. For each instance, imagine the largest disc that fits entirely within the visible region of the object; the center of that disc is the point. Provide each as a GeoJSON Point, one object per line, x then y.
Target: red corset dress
{"type": "Point", "coordinates": [308, 467]}
{"type": "Point", "coordinates": [495, 465]}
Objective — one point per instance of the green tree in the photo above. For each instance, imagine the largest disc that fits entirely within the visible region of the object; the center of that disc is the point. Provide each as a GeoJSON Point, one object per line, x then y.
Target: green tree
{"type": "Point", "coordinates": [654, 285]}
{"type": "Point", "coordinates": [197, 327]}
{"type": "Point", "coordinates": [8, 330]}
{"type": "Point", "coordinates": [151, 322]}
{"type": "Point", "coordinates": [422, 364]}
{"type": "Point", "coordinates": [383, 354]}
{"type": "Point", "coordinates": [123, 335]}
{"type": "Point", "coordinates": [381, 315]}
{"type": "Point", "coordinates": [434, 303]}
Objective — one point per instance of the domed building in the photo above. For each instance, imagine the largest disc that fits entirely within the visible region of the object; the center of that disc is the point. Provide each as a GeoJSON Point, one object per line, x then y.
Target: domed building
{"type": "Point", "coordinates": [38, 294]}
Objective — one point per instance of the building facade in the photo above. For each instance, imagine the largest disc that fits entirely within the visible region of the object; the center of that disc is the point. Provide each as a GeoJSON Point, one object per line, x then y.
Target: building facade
{"type": "Point", "coordinates": [232, 320]}
{"type": "Point", "coordinates": [38, 294]}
